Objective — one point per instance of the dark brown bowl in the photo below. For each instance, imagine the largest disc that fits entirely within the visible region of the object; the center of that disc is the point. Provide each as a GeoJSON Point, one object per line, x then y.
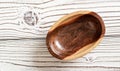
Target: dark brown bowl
{"type": "Point", "coordinates": [75, 34]}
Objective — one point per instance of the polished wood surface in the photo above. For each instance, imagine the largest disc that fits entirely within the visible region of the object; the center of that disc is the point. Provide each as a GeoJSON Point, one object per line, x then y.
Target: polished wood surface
{"type": "Point", "coordinates": [69, 37]}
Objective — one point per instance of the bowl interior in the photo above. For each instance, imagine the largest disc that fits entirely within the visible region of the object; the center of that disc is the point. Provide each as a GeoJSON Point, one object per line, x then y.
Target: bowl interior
{"type": "Point", "coordinates": [72, 36]}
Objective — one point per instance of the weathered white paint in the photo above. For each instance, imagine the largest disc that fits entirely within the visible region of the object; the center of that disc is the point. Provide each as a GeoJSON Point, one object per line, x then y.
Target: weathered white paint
{"type": "Point", "coordinates": [23, 47]}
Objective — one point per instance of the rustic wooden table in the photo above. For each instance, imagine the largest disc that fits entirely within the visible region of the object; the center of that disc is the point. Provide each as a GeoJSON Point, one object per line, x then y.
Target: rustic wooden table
{"type": "Point", "coordinates": [24, 25]}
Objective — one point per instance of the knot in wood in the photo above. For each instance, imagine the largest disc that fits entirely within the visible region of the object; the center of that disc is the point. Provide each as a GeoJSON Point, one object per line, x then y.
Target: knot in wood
{"type": "Point", "coordinates": [30, 18]}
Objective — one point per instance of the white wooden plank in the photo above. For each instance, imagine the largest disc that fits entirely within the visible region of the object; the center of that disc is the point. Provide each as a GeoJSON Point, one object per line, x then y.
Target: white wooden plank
{"type": "Point", "coordinates": [22, 52]}
{"type": "Point", "coordinates": [13, 23]}
{"type": "Point", "coordinates": [23, 46]}
{"type": "Point", "coordinates": [17, 68]}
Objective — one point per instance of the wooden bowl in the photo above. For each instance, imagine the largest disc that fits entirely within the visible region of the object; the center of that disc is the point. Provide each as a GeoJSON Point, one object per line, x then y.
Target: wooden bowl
{"type": "Point", "coordinates": [75, 34]}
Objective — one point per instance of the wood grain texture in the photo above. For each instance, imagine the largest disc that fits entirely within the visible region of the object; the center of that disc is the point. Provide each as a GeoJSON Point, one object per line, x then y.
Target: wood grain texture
{"type": "Point", "coordinates": [74, 35]}
{"type": "Point", "coordinates": [22, 46]}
